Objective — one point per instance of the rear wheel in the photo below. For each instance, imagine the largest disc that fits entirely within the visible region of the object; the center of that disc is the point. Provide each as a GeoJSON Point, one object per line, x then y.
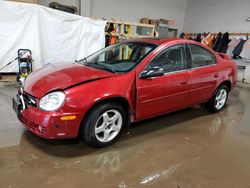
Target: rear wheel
{"type": "Point", "coordinates": [103, 125]}
{"type": "Point", "coordinates": [219, 99]}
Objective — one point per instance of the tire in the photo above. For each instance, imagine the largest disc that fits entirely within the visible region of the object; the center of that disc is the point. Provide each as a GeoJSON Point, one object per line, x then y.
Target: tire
{"type": "Point", "coordinates": [103, 125]}
{"type": "Point", "coordinates": [219, 99]}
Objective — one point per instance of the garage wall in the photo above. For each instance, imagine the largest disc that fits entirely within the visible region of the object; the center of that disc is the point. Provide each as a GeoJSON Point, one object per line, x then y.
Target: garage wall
{"type": "Point", "coordinates": [64, 2]}
{"type": "Point", "coordinates": [215, 16]}
{"type": "Point", "coordinates": [134, 10]}
{"type": "Point", "coordinates": [130, 10]}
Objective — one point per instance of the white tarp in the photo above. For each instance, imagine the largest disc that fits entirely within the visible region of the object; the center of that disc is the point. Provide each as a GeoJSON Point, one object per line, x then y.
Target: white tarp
{"type": "Point", "coordinates": [52, 35]}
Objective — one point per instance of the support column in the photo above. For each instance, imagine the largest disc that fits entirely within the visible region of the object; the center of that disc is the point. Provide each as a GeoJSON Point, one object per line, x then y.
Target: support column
{"type": "Point", "coordinates": [85, 7]}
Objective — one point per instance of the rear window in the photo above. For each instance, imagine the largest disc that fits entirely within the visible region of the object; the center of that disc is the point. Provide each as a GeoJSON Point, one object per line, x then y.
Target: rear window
{"type": "Point", "coordinates": [201, 57]}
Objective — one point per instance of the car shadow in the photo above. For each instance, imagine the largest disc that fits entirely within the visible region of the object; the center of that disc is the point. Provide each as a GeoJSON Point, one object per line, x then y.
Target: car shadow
{"type": "Point", "coordinates": [75, 147]}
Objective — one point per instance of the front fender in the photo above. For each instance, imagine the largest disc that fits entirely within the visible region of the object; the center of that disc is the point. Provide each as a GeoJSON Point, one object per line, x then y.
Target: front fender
{"type": "Point", "coordinates": [83, 97]}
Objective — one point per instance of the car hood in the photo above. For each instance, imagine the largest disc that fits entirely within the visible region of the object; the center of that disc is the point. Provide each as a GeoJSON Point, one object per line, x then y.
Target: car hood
{"type": "Point", "coordinates": [61, 76]}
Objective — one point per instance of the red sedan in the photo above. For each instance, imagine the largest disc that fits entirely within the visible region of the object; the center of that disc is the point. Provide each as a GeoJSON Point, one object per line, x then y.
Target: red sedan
{"type": "Point", "coordinates": [98, 96]}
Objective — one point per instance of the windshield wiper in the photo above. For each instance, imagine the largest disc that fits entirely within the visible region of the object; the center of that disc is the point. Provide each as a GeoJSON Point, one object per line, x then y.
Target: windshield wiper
{"type": "Point", "coordinates": [84, 60]}
{"type": "Point", "coordinates": [95, 65]}
{"type": "Point", "coordinates": [103, 67]}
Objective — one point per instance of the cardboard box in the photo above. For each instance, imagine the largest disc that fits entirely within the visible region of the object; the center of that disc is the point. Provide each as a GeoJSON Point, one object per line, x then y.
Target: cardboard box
{"type": "Point", "coordinates": [145, 20]}
{"type": "Point", "coordinates": [163, 21]}
{"type": "Point", "coordinates": [153, 22]}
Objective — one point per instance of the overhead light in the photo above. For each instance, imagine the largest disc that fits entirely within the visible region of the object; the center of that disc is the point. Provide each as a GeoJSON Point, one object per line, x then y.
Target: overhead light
{"type": "Point", "coordinates": [248, 19]}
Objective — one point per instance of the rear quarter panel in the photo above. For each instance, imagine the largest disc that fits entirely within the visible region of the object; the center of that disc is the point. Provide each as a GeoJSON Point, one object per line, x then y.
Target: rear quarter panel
{"type": "Point", "coordinates": [228, 70]}
{"type": "Point", "coordinates": [225, 66]}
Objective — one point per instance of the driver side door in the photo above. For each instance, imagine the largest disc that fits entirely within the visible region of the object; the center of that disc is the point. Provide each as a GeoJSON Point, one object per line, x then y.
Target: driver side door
{"type": "Point", "coordinates": [170, 92]}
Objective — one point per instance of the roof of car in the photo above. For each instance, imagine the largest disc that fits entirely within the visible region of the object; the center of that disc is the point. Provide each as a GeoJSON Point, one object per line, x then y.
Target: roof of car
{"type": "Point", "coordinates": [160, 41]}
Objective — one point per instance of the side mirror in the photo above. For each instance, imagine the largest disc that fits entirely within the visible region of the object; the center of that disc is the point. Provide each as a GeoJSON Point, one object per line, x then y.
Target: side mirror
{"type": "Point", "coordinates": [153, 72]}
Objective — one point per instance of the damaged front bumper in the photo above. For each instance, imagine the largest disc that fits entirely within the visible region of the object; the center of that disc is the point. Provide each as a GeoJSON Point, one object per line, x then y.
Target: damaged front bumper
{"type": "Point", "coordinates": [47, 125]}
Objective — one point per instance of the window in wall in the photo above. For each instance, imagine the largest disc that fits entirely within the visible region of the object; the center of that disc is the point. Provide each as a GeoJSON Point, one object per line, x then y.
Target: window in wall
{"type": "Point", "coordinates": [201, 56]}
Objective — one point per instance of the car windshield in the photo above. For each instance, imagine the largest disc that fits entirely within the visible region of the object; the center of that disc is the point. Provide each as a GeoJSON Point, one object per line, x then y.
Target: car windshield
{"type": "Point", "coordinates": [119, 58]}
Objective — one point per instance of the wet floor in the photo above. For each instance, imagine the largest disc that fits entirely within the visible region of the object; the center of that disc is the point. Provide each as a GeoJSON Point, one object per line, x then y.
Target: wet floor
{"type": "Point", "coordinates": [187, 149]}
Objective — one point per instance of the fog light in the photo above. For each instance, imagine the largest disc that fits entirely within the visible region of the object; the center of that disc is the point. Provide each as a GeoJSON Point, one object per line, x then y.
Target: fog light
{"type": "Point", "coordinates": [68, 118]}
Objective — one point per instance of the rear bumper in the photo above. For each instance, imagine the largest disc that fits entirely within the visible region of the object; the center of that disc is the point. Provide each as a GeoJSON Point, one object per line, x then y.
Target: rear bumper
{"type": "Point", "coordinates": [49, 125]}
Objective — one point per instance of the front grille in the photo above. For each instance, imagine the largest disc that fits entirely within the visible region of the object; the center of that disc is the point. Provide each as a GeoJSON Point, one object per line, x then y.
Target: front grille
{"type": "Point", "coordinates": [30, 100]}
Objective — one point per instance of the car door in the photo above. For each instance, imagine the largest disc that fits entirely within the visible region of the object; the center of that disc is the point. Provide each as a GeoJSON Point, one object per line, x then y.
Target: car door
{"type": "Point", "coordinates": [169, 92]}
{"type": "Point", "coordinates": [204, 74]}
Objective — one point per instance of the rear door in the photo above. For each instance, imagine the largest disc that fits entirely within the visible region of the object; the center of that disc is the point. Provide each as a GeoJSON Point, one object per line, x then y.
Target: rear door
{"type": "Point", "coordinates": [166, 93]}
{"type": "Point", "coordinates": [204, 73]}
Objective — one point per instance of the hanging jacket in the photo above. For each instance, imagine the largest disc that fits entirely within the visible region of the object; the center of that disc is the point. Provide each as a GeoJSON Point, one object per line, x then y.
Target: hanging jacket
{"type": "Point", "coordinates": [217, 42]}
{"type": "Point", "coordinates": [208, 40]}
{"type": "Point", "coordinates": [198, 37]}
{"type": "Point", "coordinates": [182, 35]}
{"type": "Point", "coordinates": [231, 46]}
{"type": "Point", "coordinates": [245, 54]}
{"type": "Point", "coordinates": [224, 43]}
{"type": "Point", "coordinates": [238, 49]}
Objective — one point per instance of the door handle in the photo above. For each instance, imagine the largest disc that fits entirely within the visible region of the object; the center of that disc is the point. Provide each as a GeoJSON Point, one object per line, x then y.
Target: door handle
{"type": "Point", "coordinates": [216, 75]}
{"type": "Point", "coordinates": [184, 83]}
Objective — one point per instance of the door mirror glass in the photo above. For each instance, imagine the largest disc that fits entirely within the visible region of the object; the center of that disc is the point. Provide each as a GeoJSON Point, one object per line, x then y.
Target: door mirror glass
{"type": "Point", "coordinates": [153, 72]}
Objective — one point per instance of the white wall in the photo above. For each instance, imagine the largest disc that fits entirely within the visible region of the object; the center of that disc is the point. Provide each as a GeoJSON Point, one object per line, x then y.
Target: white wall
{"type": "Point", "coordinates": [86, 8]}
{"type": "Point", "coordinates": [217, 15]}
{"type": "Point", "coordinates": [64, 2]}
{"type": "Point", "coordinates": [134, 10]}
{"type": "Point", "coordinates": [130, 10]}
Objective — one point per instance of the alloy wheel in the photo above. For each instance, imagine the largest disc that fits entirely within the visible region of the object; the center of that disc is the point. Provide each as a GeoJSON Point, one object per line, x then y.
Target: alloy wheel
{"type": "Point", "coordinates": [108, 125]}
{"type": "Point", "coordinates": [221, 99]}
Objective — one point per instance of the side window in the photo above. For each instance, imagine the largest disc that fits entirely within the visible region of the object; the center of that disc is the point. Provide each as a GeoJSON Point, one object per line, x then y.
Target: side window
{"type": "Point", "coordinates": [200, 56]}
{"type": "Point", "coordinates": [172, 59]}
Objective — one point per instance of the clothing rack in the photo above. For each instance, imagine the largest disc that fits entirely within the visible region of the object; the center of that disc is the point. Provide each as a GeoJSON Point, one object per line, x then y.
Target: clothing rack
{"type": "Point", "coordinates": [230, 33]}
{"type": "Point", "coordinates": [239, 34]}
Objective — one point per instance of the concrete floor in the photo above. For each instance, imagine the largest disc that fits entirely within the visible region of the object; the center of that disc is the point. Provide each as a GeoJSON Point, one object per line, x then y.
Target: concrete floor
{"type": "Point", "coordinates": [190, 148]}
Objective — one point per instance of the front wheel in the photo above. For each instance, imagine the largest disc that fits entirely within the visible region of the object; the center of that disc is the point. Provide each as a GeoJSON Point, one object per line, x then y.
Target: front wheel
{"type": "Point", "coordinates": [103, 125]}
{"type": "Point", "coordinates": [219, 99]}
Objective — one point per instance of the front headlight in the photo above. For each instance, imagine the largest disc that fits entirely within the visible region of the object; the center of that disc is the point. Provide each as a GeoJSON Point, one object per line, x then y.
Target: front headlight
{"type": "Point", "coordinates": [52, 101]}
